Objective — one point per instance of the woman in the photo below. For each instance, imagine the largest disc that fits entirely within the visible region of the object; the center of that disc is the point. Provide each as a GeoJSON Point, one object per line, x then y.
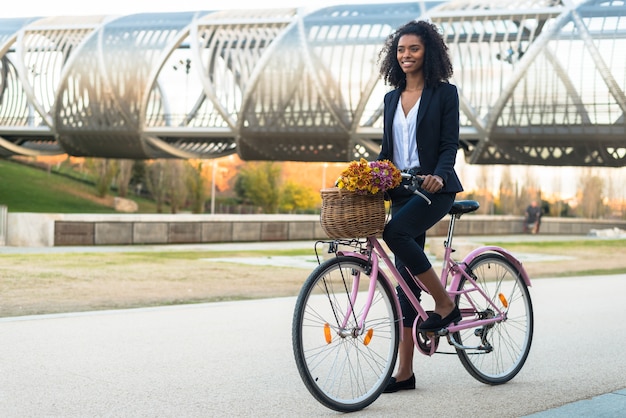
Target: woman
{"type": "Point", "coordinates": [421, 133]}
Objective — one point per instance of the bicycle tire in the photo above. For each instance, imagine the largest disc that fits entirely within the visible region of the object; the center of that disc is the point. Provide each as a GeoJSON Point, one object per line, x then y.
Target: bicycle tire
{"type": "Point", "coordinates": [510, 340]}
{"type": "Point", "coordinates": [349, 370]}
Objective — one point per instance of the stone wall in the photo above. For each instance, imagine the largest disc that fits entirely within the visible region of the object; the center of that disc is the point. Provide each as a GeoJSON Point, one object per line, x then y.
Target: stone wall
{"type": "Point", "coordinates": [4, 214]}
{"type": "Point", "coordinates": [41, 229]}
{"type": "Point", "coordinates": [44, 229]}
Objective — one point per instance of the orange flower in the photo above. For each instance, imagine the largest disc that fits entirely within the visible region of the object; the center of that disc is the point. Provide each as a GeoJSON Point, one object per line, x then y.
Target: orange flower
{"type": "Point", "coordinates": [365, 177]}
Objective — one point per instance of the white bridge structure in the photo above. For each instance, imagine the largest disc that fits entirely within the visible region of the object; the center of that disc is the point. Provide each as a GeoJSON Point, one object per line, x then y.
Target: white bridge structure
{"type": "Point", "coordinates": [541, 82]}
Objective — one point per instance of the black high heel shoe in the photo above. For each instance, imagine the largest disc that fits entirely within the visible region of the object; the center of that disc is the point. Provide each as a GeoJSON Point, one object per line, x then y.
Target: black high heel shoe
{"type": "Point", "coordinates": [394, 385]}
{"type": "Point", "coordinates": [435, 322]}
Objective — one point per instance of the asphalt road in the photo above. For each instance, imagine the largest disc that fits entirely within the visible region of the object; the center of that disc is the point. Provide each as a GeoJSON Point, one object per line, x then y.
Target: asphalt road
{"type": "Point", "coordinates": [235, 359]}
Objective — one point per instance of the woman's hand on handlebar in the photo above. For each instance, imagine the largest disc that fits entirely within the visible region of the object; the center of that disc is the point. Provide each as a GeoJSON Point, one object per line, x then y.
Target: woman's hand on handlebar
{"type": "Point", "coordinates": [416, 185]}
{"type": "Point", "coordinates": [432, 183]}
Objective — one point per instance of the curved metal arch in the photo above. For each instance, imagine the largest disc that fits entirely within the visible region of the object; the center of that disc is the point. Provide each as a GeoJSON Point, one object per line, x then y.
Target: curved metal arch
{"type": "Point", "coordinates": [15, 107]}
{"type": "Point", "coordinates": [365, 137]}
{"type": "Point", "coordinates": [243, 145]}
{"type": "Point", "coordinates": [237, 37]}
{"type": "Point", "coordinates": [23, 74]}
{"type": "Point", "coordinates": [284, 100]}
{"type": "Point", "coordinates": [42, 50]}
{"type": "Point", "coordinates": [525, 62]}
{"type": "Point", "coordinates": [561, 140]}
{"type": "Point", "coordinates": [32, 139]}
{"type": "Point", "coordinates": [152, 78]}
{"type": "Point", "coordinates": [328, 107]}
{"type": "Point", "coordinates": [115, 102]}
{"type": "Point", "coordinates": [322, 60]}
{"type": "Point", "coordinates": [161, 144]}
{"type": "Point", "coordinates": [254, 29]}
{"type": "Point", "coordinates": [569, 85]}
{"type": "Point", "coordinates": [333, 104]}
{"type": "Point", "coordinates": [204, 73]}
{"type": "Point", "coordinates": [604, 70]}
{"type": "Point", "coordinates": [502, 142]}
{"type": "Point", "coordinates": [108, 82]}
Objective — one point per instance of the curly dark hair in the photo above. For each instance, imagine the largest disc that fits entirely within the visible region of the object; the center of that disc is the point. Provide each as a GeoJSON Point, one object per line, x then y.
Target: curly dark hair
{"type": "Point", "coordinates": [437, 64]}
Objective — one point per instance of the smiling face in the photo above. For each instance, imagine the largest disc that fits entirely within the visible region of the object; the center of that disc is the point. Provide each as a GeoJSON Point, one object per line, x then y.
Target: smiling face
{"type": "Point", "coordinates": [410, 53]}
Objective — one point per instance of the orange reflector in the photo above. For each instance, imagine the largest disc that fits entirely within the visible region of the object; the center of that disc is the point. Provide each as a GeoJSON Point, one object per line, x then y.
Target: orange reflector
{"type": "Point", "coordinates": [368, 336]}
{"type": "Point", "coordinates": [503, 300]}
{"type": "Point", "coordinates": [327, 335]}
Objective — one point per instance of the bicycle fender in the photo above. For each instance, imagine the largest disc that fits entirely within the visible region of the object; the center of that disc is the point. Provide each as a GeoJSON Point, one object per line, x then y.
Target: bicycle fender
{"type": "Point", "coordinates": [506, 254]}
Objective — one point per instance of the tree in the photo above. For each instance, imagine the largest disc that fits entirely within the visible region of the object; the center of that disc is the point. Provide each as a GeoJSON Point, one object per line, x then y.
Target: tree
{"type": "Point", "coordinates": [104, 171]}
{"type": "Point", "coordinates": [196, 187]}
{"type": "Point", "coordinates": [176, 185]}
{"type": "Point", "coordinates": [507, 194]}
{"type": "Point", "coordinates": [529, 190]}
{"type": "Point", "coordinates": [484, 196]}
{"type": "Point", "coordinates": [259, 184]}
{"type": "Point", "coordinates": [139, 175]}
{"type": "Point", "coordinates": [592, 199]}
{"type": "Point", "coordinates": [124, 174]}
{"type": "Point", "coordinates": [295, 197]}
{"type": "Point", "coordinates": [156, 182]}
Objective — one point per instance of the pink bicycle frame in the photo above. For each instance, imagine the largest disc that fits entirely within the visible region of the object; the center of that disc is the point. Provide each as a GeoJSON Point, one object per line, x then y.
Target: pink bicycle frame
{"type": "Point", "coordinates": [377, 252]}
{"type": "Point", "coordinates": [450, 268]}
{"type": "Point", "coordinates": [458, 272]}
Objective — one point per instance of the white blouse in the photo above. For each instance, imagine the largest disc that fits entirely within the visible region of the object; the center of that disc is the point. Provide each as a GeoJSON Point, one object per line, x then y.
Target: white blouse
{"type": "Point", "coordinates": [404, 137]}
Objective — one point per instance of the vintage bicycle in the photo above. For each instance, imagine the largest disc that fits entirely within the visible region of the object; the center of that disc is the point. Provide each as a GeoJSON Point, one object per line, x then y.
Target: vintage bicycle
{"type": "Point", "coordinates": [347, 320]}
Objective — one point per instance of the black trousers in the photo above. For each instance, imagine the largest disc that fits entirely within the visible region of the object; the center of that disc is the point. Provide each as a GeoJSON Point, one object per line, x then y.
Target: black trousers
{"type": "Point", "coordinates": [405, 235]}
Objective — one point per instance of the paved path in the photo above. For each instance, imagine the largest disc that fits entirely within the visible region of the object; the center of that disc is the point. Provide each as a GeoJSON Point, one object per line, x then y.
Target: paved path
{"type": "Point", "coordinates": [235, 359]}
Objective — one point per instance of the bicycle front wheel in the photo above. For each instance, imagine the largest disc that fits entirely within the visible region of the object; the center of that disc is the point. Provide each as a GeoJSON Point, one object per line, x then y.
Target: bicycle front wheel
{"type": "Point", "coordinates": [496, 352]}
{"type": "Point", "coordinates": [344, 365]}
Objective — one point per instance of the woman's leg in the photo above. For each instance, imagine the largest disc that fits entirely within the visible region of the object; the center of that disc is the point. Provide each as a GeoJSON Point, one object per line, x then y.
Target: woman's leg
{"type": "Point", "coordinates": [405, 355]}
{"type": "Point", "coordinates": [443, 304]}
{"type": "Point", "coordinates": [413, 220]}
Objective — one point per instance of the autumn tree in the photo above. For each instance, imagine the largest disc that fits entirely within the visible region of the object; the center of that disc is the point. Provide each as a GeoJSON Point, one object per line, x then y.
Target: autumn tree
{"type": "Point", "coordinates": [123, 176]}
{"type": "Point", "coordinates": [485, 198]}
{"type": "Point", "coordinates": [592, 199]}
{"type": "Point", "coordinates": [103, 171]}
{"type": "Point", "coordinates": [295, 197]}
{"type": "Point", "coordinates": [196, 187]}
{"type": "Point", "coordinates": [176, 184]}
{"type": "Point", "coordinates": [508, 203]}
{"type": "Point", "coordinates": [529, 190]}
{"type": "Point", "coordinates": [156, 182]}
{"type": "Point", "coordinates": [259, 184]}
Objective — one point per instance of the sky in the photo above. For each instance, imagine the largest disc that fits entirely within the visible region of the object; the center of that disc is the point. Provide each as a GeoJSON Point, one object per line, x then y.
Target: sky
{"type": "Point", "coordinates": [44, 8]}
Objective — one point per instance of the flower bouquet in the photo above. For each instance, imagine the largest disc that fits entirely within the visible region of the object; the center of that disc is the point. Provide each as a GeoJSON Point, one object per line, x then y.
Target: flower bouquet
{"type": "Point", "coordinates": [364, 177]}
{"type": "Point", "coordinates": [355, 208]}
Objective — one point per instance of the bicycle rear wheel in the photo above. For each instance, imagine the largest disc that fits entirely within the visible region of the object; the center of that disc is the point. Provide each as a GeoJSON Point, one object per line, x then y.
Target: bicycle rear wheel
{"type": "Point", "coordinates": [345, 367]}
{"type": "Point", "coordinates": [501, 348]}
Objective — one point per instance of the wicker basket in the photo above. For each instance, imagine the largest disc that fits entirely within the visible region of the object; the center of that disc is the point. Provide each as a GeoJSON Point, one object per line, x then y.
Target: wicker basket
{"type": "Point", "coordinates": [349, 215]}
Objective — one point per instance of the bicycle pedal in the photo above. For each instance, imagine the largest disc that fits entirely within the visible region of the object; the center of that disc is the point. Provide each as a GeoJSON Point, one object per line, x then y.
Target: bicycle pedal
{"type": "Point", "coordinates": [431, 335]}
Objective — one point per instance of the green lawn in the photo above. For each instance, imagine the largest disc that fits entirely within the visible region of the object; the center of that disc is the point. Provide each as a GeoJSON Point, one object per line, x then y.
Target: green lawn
{"type": "Point", "coordinates": [29, 189]}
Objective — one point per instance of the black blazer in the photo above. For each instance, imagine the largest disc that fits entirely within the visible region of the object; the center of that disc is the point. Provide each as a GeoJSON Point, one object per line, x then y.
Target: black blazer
{"type": "Point", "coordinates": [437, 132]}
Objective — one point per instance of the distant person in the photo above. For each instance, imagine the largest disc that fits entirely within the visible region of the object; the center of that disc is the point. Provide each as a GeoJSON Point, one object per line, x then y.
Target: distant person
{"type": "Point", "coordinates": [532, 219]}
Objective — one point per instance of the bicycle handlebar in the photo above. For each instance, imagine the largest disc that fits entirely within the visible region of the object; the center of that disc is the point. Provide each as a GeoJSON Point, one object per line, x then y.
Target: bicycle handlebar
{"type": "Point", "coordinates": [416, 183]}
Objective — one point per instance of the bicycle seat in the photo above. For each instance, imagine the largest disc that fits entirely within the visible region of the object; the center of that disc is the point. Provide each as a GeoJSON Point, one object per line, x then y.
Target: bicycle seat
{"type": "Point", "coordinates": [464, 206]}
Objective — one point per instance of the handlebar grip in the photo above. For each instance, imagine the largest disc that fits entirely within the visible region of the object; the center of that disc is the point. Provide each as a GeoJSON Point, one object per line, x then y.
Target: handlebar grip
{"type": "Point", "coordinates": [416, 183]}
